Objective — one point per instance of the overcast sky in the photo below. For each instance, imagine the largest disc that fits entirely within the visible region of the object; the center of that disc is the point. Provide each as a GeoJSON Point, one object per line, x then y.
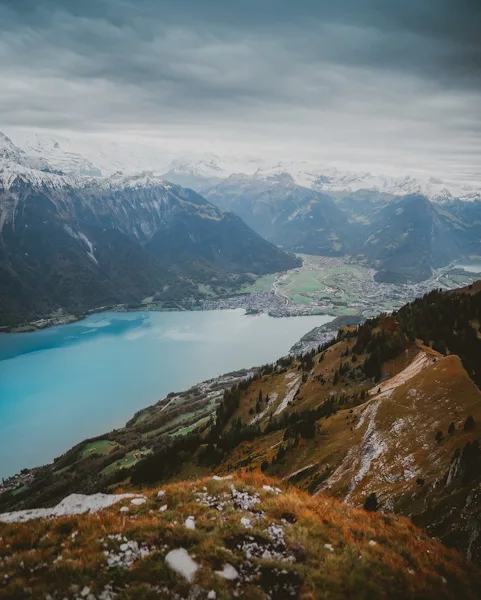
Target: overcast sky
{"type": "Point", "coordinates": [358, 83]}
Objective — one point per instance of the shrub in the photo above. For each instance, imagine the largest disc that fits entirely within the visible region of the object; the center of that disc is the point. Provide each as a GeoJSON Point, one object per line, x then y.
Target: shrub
{"type": "Point", "coordinates": [371, 503]}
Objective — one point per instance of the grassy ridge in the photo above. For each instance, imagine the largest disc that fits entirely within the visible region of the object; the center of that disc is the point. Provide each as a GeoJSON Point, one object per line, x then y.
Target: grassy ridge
{"type": "Point", "coordinates": [288, 545]}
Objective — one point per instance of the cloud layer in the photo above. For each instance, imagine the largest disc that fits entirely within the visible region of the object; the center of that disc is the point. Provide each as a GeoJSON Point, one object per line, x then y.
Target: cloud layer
{"type": "Point", "coordinates": [353, 82]}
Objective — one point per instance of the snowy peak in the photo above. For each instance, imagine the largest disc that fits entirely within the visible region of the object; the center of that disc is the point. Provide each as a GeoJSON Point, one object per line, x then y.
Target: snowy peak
{"type": "Point", "coordinates": [146, 179]}
{"type": "Point", "coordinates": [9, 153]}
{"type": "Point", "coordinates": [331, 180]}
{"type": "Point", "coordinates": [206, 173]}
{"type": "Point", "coordinates": [58, 155]}
{"type": "Point", "coordinates": [91, 156]}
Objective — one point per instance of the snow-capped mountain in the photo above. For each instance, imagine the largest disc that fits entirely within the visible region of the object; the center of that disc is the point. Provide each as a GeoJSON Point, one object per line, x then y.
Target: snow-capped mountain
{"type": "Point", "coordinates": [334, 180]}
{"type": "Point", "coordinates": [91, 155]}
{"type": "Point", "coordinates": [9, 153]}
{"type": "Point", "coordinates": [204, 174]}
{"type": "Point", "coordinates": [58, 153]}
{"type": "Point", "coordinates": [77, 242]}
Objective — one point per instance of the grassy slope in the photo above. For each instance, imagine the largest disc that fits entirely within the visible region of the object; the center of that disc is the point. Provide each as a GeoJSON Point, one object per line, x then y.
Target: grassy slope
{"type": "Point", "coordinates": [384, 445]}
{"type": "Point", "coordinates": [324, 550]}
{"type": "Point", "coordinates": [367, 443]}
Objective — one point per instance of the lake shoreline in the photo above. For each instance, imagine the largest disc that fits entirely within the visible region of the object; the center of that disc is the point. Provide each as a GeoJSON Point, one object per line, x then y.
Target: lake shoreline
{"type": "Point", "coordinates": [67, 383]}
{"type": "Point", "coordinates": [33, 326]}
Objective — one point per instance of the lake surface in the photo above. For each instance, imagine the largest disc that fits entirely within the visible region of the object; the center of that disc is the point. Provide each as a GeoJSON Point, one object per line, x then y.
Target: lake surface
{"type": "Point", "coordinates": [61, 385]}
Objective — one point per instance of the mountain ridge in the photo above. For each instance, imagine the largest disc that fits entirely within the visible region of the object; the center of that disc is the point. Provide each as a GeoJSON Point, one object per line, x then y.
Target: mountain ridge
{"type": "Point", "coordinates": [243, 535]}
{"type": "Point", "coordinates": [202, 171]}
{"type": "Point", "coordinates": [76, 243]}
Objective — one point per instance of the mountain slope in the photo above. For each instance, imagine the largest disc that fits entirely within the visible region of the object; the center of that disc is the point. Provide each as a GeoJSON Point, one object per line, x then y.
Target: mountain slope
{"type": "Point", "coordinates": [289, 215]}
{"type": "Point", "coordinates": [308, 208]}
{"type": "Point", "coordinates": [404, 238]}
{"type": "Point", "coordinates": [246, 536]}
{"type": "Point", "coordinates": [403, 227]}
{"type": "Point", "coordinates": [76, 243]}
{"type": "Point", "coordinates": [387, 413]}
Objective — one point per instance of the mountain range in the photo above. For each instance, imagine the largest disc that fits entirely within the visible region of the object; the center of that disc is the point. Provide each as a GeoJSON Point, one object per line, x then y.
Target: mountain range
{"type": "Point", "coordinates": [76, 242]}
{"type": "Point", "coordinates": [402, 237]}
{"type": "Point", "coordinates": [404, 227]}
{"type": "Point", "coordinates": [91, 154]}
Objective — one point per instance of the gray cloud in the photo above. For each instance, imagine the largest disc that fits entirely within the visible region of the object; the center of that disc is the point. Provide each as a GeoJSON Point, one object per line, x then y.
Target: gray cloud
{"type": "Point", "coordinates": [352, 81]}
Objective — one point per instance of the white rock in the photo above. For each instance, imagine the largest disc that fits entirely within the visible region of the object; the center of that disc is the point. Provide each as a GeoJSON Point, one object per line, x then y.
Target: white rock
{"type": "Point", "coordinates": [75, 504]}
{"type": "Point", "coordinates": [228, 572]}
{"type": "Point", "coordinates": [163, 508]}
{"type": "Point", "coordinates": [138, 501]}
{"type": "Point", "coordinates": [211, 595]}
{"type": "Point", "coordinates": [217, 478]}
{"type": "Point", "coordinates": [124, 509]}
{"type": "Point", "coordinates": [329, 547]}
{"type": "Point", "coordinates": [160, 494]}
{"type": "Point", "coordinates": [180, 562]}
{"type": "Point", "coordinates": [85, 592]}
{"type": "Point", "coordinates": [372, 543]}
{"type": "Point", "coordinates": [246, 522]}
{"type": "Point", "coordinates": [190, 523]}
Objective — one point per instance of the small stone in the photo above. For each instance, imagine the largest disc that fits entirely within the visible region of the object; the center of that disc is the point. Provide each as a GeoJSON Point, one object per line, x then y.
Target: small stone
{"type": "Point", "coordinates": [163, 508]}
{"type": "Point", "coordinates": [211, 595]}
{"type": "Point", "coordinates": [138, 501]}
{"type": "Point", "coordinates": [228, 572]}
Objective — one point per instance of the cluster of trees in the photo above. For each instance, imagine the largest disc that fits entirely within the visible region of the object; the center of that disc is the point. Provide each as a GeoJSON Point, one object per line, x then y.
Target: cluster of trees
{"type": "Point", "coordinates": [449, 322]}
{"type": "Point", "coordinates": [165, 461]}
{"type": "Point", "coordinates": [469, 462]}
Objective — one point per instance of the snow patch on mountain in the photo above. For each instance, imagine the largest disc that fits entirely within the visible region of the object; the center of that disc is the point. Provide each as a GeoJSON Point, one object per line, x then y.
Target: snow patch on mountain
{"type": "Point", "coordinates": [58, 153]}
{"type": "Point", "coordinates": [78, 235]}
{"type": "Point", "coordinates": [75, 504]}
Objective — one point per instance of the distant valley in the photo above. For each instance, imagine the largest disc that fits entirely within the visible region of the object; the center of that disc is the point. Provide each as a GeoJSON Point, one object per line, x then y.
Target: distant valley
{"type": "Point", "coordinates": [403, 227]}
{"type": "Point", "coordinates": [76, 243]}
{"type": "Point", "coordinates": [403, 237]}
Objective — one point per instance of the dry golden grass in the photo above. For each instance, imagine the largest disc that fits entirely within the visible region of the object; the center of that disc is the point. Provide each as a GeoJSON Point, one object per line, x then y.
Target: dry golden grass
{"type": "Point", "coordinates": [328, 550]}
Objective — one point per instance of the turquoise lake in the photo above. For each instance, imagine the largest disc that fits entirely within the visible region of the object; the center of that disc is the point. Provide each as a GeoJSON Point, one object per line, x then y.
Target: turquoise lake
{"type": "Point", "coordinates": [61, 385]}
